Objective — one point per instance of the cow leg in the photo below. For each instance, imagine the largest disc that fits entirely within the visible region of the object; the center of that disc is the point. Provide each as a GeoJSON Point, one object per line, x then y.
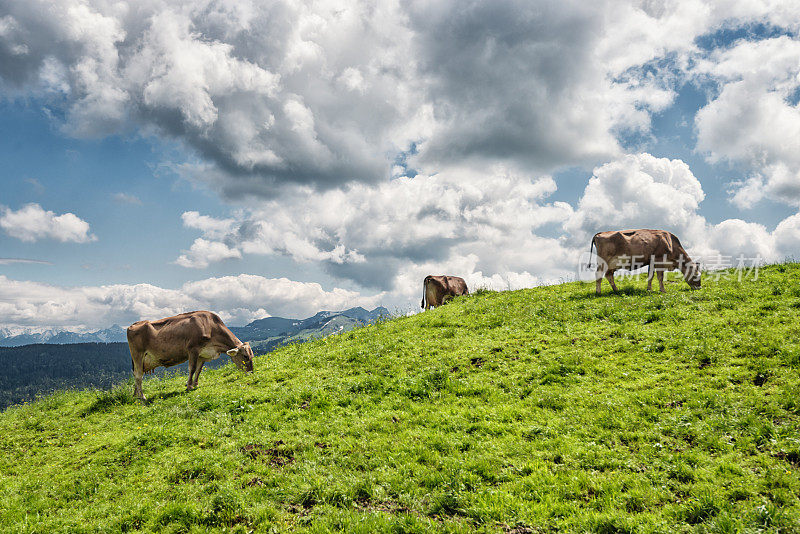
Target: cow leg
{"type": "Point", "coordinates": [598, 276]}
{"type": "Point", "coordinates": [192, 367]}
{"type": "Point", "coordinates": [138, 373]}
{"type": "Point", "coordinates": [650, 273]}
{"type": "Point", "coordinates": [660, 275]}
{"type": "Point", "coordinates": [199, 368]}
{"type": "Point", "coordinates": [610, 278]}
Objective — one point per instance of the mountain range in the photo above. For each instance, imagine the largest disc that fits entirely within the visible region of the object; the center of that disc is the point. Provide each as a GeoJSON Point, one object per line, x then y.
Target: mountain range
{"type": "Point", "coordinates": [264, 334]}
{"type": "Point", "coordinates": [9, 338]}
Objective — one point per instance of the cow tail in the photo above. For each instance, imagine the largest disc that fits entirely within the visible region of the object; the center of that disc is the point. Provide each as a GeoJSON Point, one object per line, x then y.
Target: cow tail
{"type": "Point", "coordinates": [591, 247]}
{"type": "Point", "coordinates": [128, 337]}
{"type": "Point", "coordinates": [424, 282]}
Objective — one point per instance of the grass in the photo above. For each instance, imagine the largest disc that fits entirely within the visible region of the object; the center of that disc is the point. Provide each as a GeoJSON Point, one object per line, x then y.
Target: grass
{"type": "Point", "coordinates": [539, 410]}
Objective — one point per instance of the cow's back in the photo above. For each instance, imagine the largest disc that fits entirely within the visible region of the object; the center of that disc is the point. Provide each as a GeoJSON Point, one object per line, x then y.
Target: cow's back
{"type": "Point", "coordinates": [640, 244]}
{"type": "Point", "coordinates": [168, 341]}
{"type": "Point", "coordinates": [457, 286]}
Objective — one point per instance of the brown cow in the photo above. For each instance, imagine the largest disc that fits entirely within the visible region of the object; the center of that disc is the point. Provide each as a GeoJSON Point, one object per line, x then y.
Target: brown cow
{"type": "Point", "coordinates": [437, 290]}
{"type": "Point", "coordinates": [659, 250]}
{"type": "Point", "coordinates": [198, 336]}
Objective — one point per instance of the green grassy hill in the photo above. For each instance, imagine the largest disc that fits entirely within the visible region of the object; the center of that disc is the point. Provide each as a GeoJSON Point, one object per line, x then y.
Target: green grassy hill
{"type": "Point", "coordinates": [528, 411]}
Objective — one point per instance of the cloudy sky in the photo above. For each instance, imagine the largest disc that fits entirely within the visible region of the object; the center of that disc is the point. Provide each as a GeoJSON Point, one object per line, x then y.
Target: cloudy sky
{"type": "Point", "coordinates": [281, 157]}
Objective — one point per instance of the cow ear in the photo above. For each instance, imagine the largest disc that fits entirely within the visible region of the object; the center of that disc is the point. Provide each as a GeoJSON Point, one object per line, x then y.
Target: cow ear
{"type": "Point", "coordinates": [232, 352]}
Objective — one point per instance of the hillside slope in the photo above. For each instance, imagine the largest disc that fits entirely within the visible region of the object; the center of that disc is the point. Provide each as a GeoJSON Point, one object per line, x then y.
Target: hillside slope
{"type": "Point", "coordinates": [31, 371]}
{"type": "Point", "coordinates": [528, 411]}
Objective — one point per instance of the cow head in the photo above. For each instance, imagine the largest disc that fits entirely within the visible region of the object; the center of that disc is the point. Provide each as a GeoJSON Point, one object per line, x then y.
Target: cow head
{"type": "Point", "coordinates": [692, 275]}
{"type": "Point", "coordinates": [242, 356]}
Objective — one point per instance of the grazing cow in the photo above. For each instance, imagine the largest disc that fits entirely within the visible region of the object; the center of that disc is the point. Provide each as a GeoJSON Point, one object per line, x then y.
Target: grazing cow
{"type": "Point", "coordinates": [659, 250]}
{"type": "Point", "coordinates": [198, 336]}
{"type": "Point", "coordinates": [437, 290]}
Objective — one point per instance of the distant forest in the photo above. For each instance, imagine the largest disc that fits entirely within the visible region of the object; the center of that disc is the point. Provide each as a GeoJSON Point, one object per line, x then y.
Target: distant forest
{"type": "Point", "coordinates": [34, 370]}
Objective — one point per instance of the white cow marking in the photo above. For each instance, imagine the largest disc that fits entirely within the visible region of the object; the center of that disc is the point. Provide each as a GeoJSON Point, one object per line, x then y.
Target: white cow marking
{"type": "Point", "coordinates": [208, 353]}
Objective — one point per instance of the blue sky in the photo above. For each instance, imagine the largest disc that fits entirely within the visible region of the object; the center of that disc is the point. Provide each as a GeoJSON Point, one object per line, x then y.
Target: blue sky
{"type": "Point", "coordinates": [280, 159]}
{"type": "Point", "coordinates": [138, 235]}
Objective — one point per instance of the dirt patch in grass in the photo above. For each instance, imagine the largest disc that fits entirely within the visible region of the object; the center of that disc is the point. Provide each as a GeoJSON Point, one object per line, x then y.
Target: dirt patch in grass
{"type": "Point", "coordinates": [255, 481]}
{"type": "Point", "coordinates": [519, 529]}
{"type": "Point", "coordinates": [274, 456]}
{"type": "Point", "coordinates": [390, 507]}
{"type": "Point", "coordinates": [793, 457]}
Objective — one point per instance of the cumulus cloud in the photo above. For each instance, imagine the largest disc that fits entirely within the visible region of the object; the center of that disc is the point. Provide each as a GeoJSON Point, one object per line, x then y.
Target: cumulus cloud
{"type": "Point", "coordinates": [487, 227]}
{"type": "Point", "coordinates": [238, 299]}
{"type": "Point", "coordinates": [203, 252]}
{"type": "Point", "coordinates": [323, 94]}
{"type": "Point", "coordinates": [639, 191]}
{"type": "Point", "coordinates": [280, 296]}
{"type": "Point", "coordinates": [318, 94]}
{"type": "Point", "coordinates": [787, 238]}
{"type": "Point", "coordinates": [211, 227]}
{"type": "Point", "coordinates": [505, 78]}
{"type": "Point", "coordinates": [737, 238]}
{"type": "Point", "coordinates": [366, 233]}
{"type": "Point", "coordinates": [31, 223]}
{"type": "Point", "coordinates": [755, 119]}
{"type": "Point", "coordinates": [495, 228]}
{"type": "Point", "coordinates": [642, 191]}
{"type": "Point", "coordinates": [389, 140]}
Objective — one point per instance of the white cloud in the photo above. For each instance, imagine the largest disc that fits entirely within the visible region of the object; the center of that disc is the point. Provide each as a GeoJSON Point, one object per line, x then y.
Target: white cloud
{"type": "Point", "coordinates": [211, 227]}
{"type": "Point", "coordinates": [238, 299]}
{"type": "Point", "coordinates": [366, 233]}
{"type": "Point", "coordinates": [747, 193]}
{"type": "Point", "coordinates": [486, 227]}
{"type": "Point", "coordinates": [323, 94]}
{"type": "Point", "coordinates": [261, 91]}
{"type": "Point", "coordinates": [735, 238]}
{"type": "Point", "coordinates": [11, 261]}
{"type": "Point", "coordinates": [787, 238]}
{"type": "Point", "coordinates": [311, 108]}
{"type": "Point", "coordinates": [280, 296]}
{"type": "Point", "coordinates": [31, 223]}
{"type": "Point", "coordinates": [639, 191]}
{"type": "Point", "coordinates": [203, 252]}
{"type": "Point", "coordinates": [490, 227]}
{"type": "Point", "coordinates": [753, 120]}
